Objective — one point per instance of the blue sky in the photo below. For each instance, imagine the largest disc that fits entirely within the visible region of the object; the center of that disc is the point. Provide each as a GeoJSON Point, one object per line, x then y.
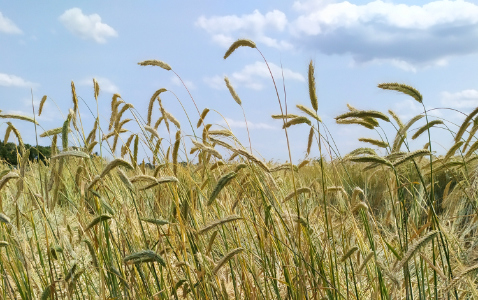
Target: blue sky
{"type": "Point", "coordinates": [355, 45]}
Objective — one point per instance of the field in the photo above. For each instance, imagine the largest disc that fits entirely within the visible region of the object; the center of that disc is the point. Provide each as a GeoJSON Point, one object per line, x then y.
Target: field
{"type": "Point", "coordinates": [210, 220]}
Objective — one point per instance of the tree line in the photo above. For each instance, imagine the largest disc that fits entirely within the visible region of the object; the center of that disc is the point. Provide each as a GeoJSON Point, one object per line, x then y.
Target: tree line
{"type": "Point", "coordinates": [8, 153]}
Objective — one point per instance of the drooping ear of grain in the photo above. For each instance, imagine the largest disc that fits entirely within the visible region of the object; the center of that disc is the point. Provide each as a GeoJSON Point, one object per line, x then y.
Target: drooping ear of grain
{"type": "Point", "coordinates": [203, 115]}
{"type": "Point", "coordinates": [410, 156]}
{"type": "Point", "coordinates": [396, 118]}
{"type": "Point", "coordinates": [310, 140]}
{"type": "Point", "coordinates": [114, 164]}
{"type": "Point", "coordinates": [233, 93]}
{"type": "Point", "coordinates": [374, 142]}
{"type": "Point", "coordinates": [216, 223]}
{"type": "Point", "coordinates": [91, 249]}
{"type": "Point", "coordinates": [42, 102]}
{"type": "Point", "coordinates": [226, 258]}
{"type": "Point", "coordinates": [222, 182]}
{"type": "Point", "coordinates": [17, 134]}
{"type": "Point", "coordinates": [151, 103]}
{"type": "Point", "coordinates": [135, 151]}
{"type": "Point", "coordinates": [370, 159]}
{"type": "Point", "coordinates": [253, 159]}
{"type": "Point", "coordinates": [363, 114]}
{"type": "Point", "coordinates": [207, 149]}
{"type": "Point", "coordinates": [297, 192]}
{"type": "Point", "coordinates": [175, 152]}
{"type": "Point", "coordinates": [312, 91]}
{"type": "Point", "coordinates": [465, 125]}
{"type": "Point", "coordinates": [287, 116]}
{"type": "Point", "coordinates": [18, 117]}
{"type": "Point", "coordinates": [97, 220]}
{"type": "Point", "coordinates": [348, 254]}
{"type": "Point", "coordinates": [453, 149]}
{"type": "Point", "coordinates": [295, 121]}
{"type": "Point", "coordinates": [237, 44]}
{"type": "Point", "coordinates": [403, 88]}
{"type": "Point", "coordinates": [358, 121]}
{"type": "Point", "coordinates": [426, 127]}
{"type": "Point", "coordinates": [414, 248]}
{"type": "Point", "coordinates": [402, 133]}
{"type": "Point", "coordinates": [309, 111]}
{"type": "Point", "coordinates": [96, 88]}
{"type": "Point", "coordinates": [153, 62]}
{"type": "Point", "coordinates": [144, 256]}
{"type": "Point", "coordinates": [173, 120]}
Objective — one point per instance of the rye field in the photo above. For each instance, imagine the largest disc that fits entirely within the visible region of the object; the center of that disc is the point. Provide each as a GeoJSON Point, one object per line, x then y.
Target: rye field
{"type": "Point", "coordinates": [202, 217]}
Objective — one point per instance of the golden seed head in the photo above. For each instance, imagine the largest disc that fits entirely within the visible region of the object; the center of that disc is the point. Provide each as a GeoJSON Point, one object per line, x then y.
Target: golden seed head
{"type": "Point", "coordinates": [153, 62]}
{"type": "Point", "coordinates": [237, 44]}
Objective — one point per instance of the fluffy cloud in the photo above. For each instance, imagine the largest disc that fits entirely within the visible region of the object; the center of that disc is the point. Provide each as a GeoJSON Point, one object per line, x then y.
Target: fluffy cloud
{"type": "Point", "coordinates": [253, 76]}
{"type": "Point", "coordinates": [404, 34]}
{"type": "Point", "coordinates": [7, 26]}
{"type": "Point", "coordinates": [15, 81]}
{"type": "Point", "coordinates": [226, 29]}
{"type": "Point", "coordinates": [459, 100]}
{"type": "Point", "coordinates": [105, 84]}
{"type": "Point", "coordinates": [87, 27]}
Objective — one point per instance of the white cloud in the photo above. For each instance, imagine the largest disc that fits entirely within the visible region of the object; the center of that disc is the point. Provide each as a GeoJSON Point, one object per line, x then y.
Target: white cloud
{"type": "Point", "coordinates": [226, 29]}
{"type": "Point", "coordinates": [463, 99]}
{"type": "Point", "coordinates": [87, 27]}
{"type": "Point", "coordinates": [408, 36]}
{"type": "Point", "coordinates": [242, 124]}
{"type": "Point", "coordinates": [175, 80]}
{"type": "Point", "coordinates": [15, 81]}
{"type": "Point", "coordinates": [105, 84]}
{"type": "Point", "coordinates": [253, 76]}
{"type": "Point", "coordinates": [7, 26]}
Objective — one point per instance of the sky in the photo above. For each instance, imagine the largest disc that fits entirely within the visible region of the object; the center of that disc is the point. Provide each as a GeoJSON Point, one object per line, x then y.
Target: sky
{"type": "Point", "coordinates": [356, 45]}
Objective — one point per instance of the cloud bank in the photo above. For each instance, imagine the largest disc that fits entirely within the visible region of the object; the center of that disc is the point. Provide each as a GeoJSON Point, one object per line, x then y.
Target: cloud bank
{"type": "Point", "coordinates": [87, 26]}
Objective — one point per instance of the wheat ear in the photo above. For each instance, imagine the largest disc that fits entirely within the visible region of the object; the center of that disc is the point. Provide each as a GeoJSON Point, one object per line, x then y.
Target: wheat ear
{"type": "Point", "coordinates": [309, 111]}
{"type": "Point", "coordinates": [295, 121]}
{"type": "Point", "coordinates": [97, 220]}
{"type": "Point", "coordinates": [74, 97]}
{"type": "Point", "coordinates": [414, 248]}
{"type": "Point", "coordinates": [375, 142]}
{"type": "Point", "coordinates": [411, 155]}
{"type": "Point", "coordinates": [402, 133]}
{"type": "Point", "coordinates": [42, 102]}
{"type": "Point", "coordinates": [175, 152]}
{"type": "Point", "coordinates": [349, 253]}
{"type": "Point", "coordinates": [297, 193]}
{"type": "Point", "coordinates": [153, 62]}
{"type": "Point", "coordinates": [221, 183]}
{"type": "Point", "coordinates": [226, 258]}
{"type": "Point", "coordinates": [465, 125]}
{"type": "Point", "coordinates": [151, 103]}
{"type": "Point", "coordinates": [18, 117]}
{"type": "Point", "coordinates": [237, 44]}
{"type": "Point", "coordinates": [216, 223]}
{"type": "Point", "coordinates": [312, 88]}
{"type": "Point", "coordinates": [358, 121]}
{"type": "Point", "coordinates": [115, 163]}
{"type": "Point", "coordinates": [406, 89]}
{"type": "Point", "coordinates": [424, 128]}
{"type": "Point", "coordinates": [144, 256]}
{"type": "Point", "coordinates": [363, 114]}
{"type": "Point", "coordinates": [288, 116]}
